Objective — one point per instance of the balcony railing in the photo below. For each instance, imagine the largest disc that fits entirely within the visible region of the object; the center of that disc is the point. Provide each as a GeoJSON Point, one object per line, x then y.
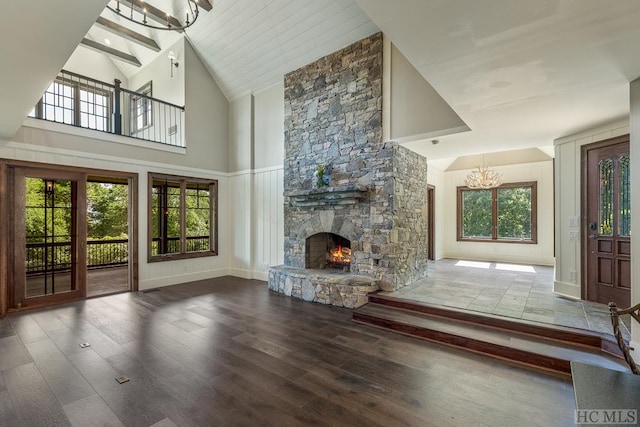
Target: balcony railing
{"type": "Point", "coordinates": [47, 257]}
{"type": "Point", "coordinates": [88, 103]}
{"type": "Point", "coordinates": [172, 244]}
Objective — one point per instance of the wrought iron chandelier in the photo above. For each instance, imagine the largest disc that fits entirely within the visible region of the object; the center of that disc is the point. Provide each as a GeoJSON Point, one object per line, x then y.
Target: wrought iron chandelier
{"type": "Point", "coordinates": [483, 178]}
{"type": "Point", "coordinates": [141, 13]}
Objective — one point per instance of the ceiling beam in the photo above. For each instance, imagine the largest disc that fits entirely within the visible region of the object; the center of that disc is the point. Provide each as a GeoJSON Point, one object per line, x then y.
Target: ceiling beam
{"type": "Point", "coordinates": [114, 53]}
{"type": "Point", "coordinates": [126, 33]}
{"type": "Point", "coordinates": [205, 4]}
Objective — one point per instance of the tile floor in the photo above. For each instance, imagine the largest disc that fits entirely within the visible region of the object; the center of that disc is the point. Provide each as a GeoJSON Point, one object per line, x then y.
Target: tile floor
{"type": "Point", "coordinates": [510, 290]}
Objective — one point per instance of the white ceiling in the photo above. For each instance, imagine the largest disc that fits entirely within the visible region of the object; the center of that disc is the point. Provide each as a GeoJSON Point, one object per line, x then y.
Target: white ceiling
{"type": "Point", "coordinates": [519, 73]}
{"type": "Point", "coordinates": [249, 45]}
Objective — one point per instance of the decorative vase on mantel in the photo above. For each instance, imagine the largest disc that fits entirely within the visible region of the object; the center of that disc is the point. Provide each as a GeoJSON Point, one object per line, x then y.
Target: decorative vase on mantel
{"type": "Point", "coordinates": [322, 180]}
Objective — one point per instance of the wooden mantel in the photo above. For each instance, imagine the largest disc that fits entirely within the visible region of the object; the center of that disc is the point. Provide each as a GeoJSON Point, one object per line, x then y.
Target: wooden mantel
{"type": "Point", "coordinates": [349, 194]}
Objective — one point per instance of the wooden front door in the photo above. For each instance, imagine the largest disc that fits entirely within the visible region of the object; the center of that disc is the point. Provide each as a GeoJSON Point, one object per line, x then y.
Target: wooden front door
{"type": "Point", "coordinates": [607, 225]}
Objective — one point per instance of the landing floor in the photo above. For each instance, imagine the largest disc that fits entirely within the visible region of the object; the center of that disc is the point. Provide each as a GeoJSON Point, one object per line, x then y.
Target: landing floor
{"type": "Point", "coordinates": [515, 291]}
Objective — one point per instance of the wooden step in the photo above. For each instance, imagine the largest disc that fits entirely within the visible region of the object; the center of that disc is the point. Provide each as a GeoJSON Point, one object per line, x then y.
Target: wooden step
{"type": "Point", "coordinates": [604, 342]}
{"type": "Point", "coordinates": [532, 350]}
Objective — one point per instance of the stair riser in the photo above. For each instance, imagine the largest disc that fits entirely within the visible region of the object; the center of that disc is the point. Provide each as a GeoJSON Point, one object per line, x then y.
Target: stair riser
{"type": "Point", "coordinates": [494, 322]}
{"type": "Point", "coordinates": [493, 350]}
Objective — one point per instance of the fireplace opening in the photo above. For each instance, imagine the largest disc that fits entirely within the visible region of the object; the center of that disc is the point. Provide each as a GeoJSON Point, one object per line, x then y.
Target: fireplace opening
{"type": "Point", "coordinates": [328, 250]}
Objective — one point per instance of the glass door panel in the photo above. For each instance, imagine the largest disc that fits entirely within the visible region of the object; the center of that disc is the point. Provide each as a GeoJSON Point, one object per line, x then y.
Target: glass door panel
{"type": "Point", "coordinates": [50, 256]}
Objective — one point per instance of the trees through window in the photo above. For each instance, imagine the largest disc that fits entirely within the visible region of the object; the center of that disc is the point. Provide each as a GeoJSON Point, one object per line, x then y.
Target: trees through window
{"type": "Point", "coordinates": [506, 213]}
{"type": "Point", "coordinates": [183, 217]}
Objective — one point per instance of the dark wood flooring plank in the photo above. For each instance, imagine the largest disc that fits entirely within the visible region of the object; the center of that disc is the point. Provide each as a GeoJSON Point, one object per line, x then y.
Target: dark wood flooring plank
{"type": "Point", "coordinates": [27, 327]}
{"type": "Point", "coordinates": [33, 401]}
{"type": "Point", "coordinates": [8, 416]}
{"type": "Point", "coordinates": [64, 380]}
{"type": "Point", "coordinates": [91, 412]}
{"type": "Point", "coordinates": [6, 330]}
{"type": "Point", "coordinates": [13, 353]}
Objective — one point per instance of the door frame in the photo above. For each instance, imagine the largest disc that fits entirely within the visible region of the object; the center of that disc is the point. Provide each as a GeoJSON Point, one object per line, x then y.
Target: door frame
{"type": "Point", "coordinates": [7, 206]}
{"type": "Point", "coordinates": [431, 226]}
{"type": "Point", "coordinates": [584, 221]}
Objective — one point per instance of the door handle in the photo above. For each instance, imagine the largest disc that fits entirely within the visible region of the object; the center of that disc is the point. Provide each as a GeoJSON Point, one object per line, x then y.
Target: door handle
{"type": "Point", "coordinates": [593, 236]}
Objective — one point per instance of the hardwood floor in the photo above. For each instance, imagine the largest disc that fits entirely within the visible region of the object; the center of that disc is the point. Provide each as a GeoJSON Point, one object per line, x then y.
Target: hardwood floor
{"type": "Point", "coordinates": [229, 352]}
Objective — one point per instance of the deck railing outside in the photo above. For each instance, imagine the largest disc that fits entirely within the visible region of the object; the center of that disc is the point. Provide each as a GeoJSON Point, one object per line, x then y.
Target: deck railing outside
{"type": "Point", "coordinates": [47, 257]}
{"type": "Point", "coordinates": [85, 102]}
{"type": "Point", "coordinates": [56, 256]}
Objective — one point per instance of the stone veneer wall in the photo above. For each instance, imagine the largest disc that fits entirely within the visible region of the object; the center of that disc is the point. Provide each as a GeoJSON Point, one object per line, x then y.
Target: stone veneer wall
{"type": "Point", "coordinates": [333, 117]}
{"type": "Point", "coordinates": [410, 227]}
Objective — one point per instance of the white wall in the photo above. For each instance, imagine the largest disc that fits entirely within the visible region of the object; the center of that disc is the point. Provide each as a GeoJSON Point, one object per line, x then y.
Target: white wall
{"type": "Point", "coordinates": [206, 116]}
{"type": "Point", "coordinates": [416, 110]}
{"type": "Point", "coordinates": [96, 65]}
{"type": "Point", "coordinates": [256, 186]}
{"type": "Point", "coordinates": [241, 134]}
{"type": "Point", "coordinates": [540, 253]}
{"type": "Point", "coordinates": [436, 177]}
{"type": "Point", "coordinates": [166, 88]}
{"type": "Point", "coordinates": [269, 127]}
{"type": "Point", "coordinates": [567, 194]}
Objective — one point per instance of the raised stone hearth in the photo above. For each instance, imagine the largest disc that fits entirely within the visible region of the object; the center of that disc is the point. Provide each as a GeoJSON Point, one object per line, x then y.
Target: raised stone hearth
{"type": "Point", "coordinates": [376, 195]}
{"type": "Point", "coordinates": [322, 286]}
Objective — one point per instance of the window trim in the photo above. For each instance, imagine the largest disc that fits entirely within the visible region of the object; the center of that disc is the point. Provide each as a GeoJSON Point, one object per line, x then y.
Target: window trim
{"type": "Point", "coordinates": [76, 110]}
{"type": "Point", "coordinates": [213, 219]}
{"type": "Point", "coordinates": [143, 95]}
{"type": "Point", "coordinates": [494, 214]}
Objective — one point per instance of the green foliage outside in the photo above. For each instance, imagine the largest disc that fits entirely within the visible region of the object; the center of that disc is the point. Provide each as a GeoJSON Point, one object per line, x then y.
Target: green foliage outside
{"type": "Point", "coordinates": [197, 217]}
{"type": "Point", "coordinates": [476, 213]}
{"type": "Point", "coordinates": [107, 213]}
{"type": "Point", "coordinates": [513, 215]}
{"type": "Point", "coordinates": [58, 223]}
{"type": "Point", "coordinates": [107, 219]}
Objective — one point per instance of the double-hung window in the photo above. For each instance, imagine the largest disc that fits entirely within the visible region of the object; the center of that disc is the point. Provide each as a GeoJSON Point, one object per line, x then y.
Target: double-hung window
{"type": "Point", "coordinates": [504, 214]}
{"type": "Point", "coordinates": [73, 101]}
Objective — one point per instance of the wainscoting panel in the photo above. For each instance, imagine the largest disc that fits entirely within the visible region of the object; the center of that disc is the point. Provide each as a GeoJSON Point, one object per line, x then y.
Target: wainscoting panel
{"type": "Point", "coordinates": [268, 221]}
{"type": "Point", "coordinates": [257, 222]}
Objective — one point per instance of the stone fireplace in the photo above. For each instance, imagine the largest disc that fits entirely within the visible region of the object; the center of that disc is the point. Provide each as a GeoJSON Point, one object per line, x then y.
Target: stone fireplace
{"type": "Point", "coordinates": [374, 206]}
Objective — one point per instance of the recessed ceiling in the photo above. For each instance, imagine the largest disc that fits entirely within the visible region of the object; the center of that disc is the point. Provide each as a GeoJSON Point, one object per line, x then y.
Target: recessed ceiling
{"type": "Point", "coordinates": [519, 73]}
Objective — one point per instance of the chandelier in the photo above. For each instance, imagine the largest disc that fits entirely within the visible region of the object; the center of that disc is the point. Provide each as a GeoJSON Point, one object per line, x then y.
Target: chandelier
{"type": "Point", "coordinates": [138, 11]}
{"type": "Point", "coordinates": [483, 178]}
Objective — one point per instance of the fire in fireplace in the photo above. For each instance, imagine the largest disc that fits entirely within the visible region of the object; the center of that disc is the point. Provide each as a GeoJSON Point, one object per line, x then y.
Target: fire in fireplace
{"type": "Point", "coordinates": [339, 257]}
{"type": "Point", "coordinates": [327, 250]}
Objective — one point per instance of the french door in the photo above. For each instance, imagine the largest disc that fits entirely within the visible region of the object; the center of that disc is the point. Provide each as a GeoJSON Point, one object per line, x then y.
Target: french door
{"type": "Point", "coordinates": [607, 224]}
{"type": "Point", "coordinates": [48, 237]}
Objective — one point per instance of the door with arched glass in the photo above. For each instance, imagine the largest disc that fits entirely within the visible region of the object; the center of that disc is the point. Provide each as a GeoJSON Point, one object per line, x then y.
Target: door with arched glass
{"type": "Point", "coordinates": [607, 224]}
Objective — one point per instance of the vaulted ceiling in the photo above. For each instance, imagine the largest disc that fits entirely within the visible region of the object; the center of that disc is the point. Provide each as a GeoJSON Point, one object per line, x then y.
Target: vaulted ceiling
{"type": "Point", "coordinates": [518, 73]}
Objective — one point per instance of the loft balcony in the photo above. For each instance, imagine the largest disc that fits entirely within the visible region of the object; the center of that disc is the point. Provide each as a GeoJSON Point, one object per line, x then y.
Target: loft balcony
{"type": "Point", "coordinates": [84, 102]}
